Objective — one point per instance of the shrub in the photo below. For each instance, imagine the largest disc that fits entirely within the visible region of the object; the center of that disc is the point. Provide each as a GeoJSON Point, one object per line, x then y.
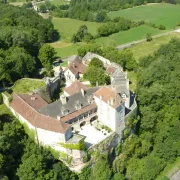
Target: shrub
{"type": "Point", "coordinates": [149, 37]}
{"type": "Point", "coordinates": [162, 27]}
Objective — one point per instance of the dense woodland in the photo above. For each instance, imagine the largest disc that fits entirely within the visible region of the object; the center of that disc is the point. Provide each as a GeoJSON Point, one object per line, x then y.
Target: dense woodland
{"type": "Point", "coordinates": [21, 158]}
{"type": "Point", "coordinates": [22, 33]}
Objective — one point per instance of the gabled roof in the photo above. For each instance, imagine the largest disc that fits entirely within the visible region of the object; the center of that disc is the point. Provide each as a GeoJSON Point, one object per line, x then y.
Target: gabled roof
{"type": "Point", "coordinates": [35, 118]}
{"type": "Point", "coordinates": [109, 96]}
{"type": "Point", "coordinates": [76, 67]}
{"type": "Point", "coordinates": [34, 101]}
{"type": "Point", "coordinates": [75, 87]}
{"type": "Point", "coordinates": [56, 108]}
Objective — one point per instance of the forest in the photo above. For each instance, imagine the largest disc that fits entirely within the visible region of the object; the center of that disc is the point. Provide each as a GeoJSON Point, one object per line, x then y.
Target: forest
{"type": "Point", "coordinates": [156, 143]}
{"type": "Point", "coordinates": [22, 33]}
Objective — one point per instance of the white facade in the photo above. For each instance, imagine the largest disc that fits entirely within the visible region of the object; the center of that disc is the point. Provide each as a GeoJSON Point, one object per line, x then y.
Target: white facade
{"type": "Point", "coordinates": [110, 116]}
{"type": "Point", "coordinates": [69, 76]}
{"type": "Point", "coordinates": [45, 137]}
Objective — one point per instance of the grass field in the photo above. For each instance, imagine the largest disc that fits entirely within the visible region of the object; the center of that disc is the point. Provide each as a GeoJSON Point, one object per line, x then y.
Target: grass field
{"type": "Point", "coordinates": [64, 49]}
{"type": "Point", "coordinates": [59, 2]}
{"type": "Point", "coordinates": [133, 34]}
{"type": "Point", "coordinates": [67, 27]}
{"type": "Point", "coordinates": [166, 14]}
{"type": "Point", "coordinates": [148, 48]}
{"type": "Point", "coordinates": [27, 85]}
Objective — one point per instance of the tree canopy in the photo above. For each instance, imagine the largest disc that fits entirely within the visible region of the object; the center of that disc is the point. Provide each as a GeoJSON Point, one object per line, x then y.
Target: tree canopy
{"type": "Point", "coordinates": [22, 33]}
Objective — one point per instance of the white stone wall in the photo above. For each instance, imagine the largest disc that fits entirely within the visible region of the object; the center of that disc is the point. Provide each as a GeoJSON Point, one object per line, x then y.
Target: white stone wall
{"type": "Point", "coordinates": [45, 137]}
{"type": "Point", "coordinates": [70, 77]}
{"type": "Point", "coordinates": [110, 116]}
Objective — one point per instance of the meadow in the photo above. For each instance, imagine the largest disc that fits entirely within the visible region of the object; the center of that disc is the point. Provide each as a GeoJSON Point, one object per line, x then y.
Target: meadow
{"type": "Point", "coordinates": [67, 27]}
{"type": "Point", "coordinates": [133, 34]}
{"type": "Point", "coordinates": [166, 14]}
{"type": "Point", "coordinates": [148, 48]}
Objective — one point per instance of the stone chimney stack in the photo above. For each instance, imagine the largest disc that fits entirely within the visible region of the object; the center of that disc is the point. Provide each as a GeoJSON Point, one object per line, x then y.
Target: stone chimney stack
{"type": "Point", "coordinates": [83, 92]}
{"type": "Point", "coordinates": [63, 99]}
{"type": "Point", "coordinates": [58, 118]}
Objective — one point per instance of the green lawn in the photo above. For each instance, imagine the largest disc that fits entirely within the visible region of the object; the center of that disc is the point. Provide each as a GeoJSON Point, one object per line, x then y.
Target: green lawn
{"type": "Point", "coordinates": [166, 14]}
{"type": "Point", "coordinates": [27, 85]}
{"type": "Point", "coordinates": [58, 2]}
{"type": "Point", "coordinates": [133, 34]}
{"type": "Point", "coordinates": [66, 51]}
{"type": "Point", "coordinates": [148, 48]}
{"type": "Point", "coordinates": [67, 27]}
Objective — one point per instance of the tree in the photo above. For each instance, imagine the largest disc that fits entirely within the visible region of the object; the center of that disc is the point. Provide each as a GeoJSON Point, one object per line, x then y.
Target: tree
{"type": "Point", "coordinates": [42, 8]}
{"type": "Point", "coordinates": [101, 16]}
{"type": "Point", "coordinates": [46, 55]}
{"type": "Point", "coordinates": [95, 62]}
{"type": "Point", "coordinates": [32, 168]}
{"type": "Point", "coordinates": [149, 37]}
{"type": "Point", "coordinates": [101, 169]}
{"type": "Point", "coordinates": [96, 75]}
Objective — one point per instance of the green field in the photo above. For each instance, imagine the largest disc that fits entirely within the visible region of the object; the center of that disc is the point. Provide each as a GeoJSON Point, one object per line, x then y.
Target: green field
{"type": "Point", "coordinates": [147, 48]}
{"type": "Point", "coordinates": [27, 85]}
{"type": "Point", "coordinates": [64, 52]}
{"type": "Point", "coordinates": [58, 2]}
{"type": "Point", "coordinates": [166, 14]}
{"type": "Point", "coordinates": [133, 34]}
{"type": "Point", "coordinates": [67, 27]}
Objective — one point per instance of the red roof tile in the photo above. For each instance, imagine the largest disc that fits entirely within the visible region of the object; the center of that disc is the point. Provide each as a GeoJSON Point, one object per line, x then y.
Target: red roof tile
{"type": "Point", "coordinates": [75, 87]}
{"type": "Point", "coordinates": [76, 67]}
{"type": "Point", "coordinates": [35, 118]}
{"type": "Point", "coordinates": [110, 70]}
{"type": "Point", "coordinates": [79, 112]}
{"type": "Point", "coordinates": [109, 96]}
{"type": "Point", "coordinates": [34, 101]}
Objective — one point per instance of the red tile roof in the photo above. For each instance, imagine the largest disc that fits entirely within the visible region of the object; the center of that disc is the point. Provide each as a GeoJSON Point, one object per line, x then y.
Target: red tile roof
{"type": "Point", "coordinates": [109, 96]}
{"type": "Point", "coordinates": [76, 67]}
{"type": "Point", "coordinates": [35, 118]}
{"type": "Point", "coordinates": [75, 87]}
{"type": "Point", "coordinates": [79, 112]}
{"type": "Point", "coordinates": [110, 70]}
{"type": "Point", "coordinates": [34, 101]}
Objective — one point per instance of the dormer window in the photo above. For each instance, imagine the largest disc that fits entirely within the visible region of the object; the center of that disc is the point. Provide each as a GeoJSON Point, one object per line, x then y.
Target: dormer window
{"type": "Point", "coordinates": [64, 111]}
{"type": "Point", "coordinates": [78, 105]}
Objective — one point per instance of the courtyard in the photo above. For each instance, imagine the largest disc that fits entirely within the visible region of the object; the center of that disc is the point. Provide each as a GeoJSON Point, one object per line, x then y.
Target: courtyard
{"type": "Point", "coordinates": [92, 135]}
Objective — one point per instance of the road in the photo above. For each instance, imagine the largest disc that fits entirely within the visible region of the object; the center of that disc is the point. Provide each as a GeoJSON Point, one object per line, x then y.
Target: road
{"type": "Point", "coordinates": [123, 46]}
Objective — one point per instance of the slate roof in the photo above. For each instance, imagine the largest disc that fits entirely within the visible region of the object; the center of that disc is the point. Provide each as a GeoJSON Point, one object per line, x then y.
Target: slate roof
{"type": "Point", "coordinates": [35, 118]}
{"type": "Point", "coordinates": [75, 87]}
{"type": "Point", "coordinates": [56, 108]}
{"type": "Point", "coordinates": [109, 96]}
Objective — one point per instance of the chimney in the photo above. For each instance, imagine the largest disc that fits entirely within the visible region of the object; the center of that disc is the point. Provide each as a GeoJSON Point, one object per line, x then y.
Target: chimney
{"type": "Point", "coordinates": [83, 91]}
{"type": "Point", "coordinates": [63, 99]}
{"type": "Point", "coordinates": [33, 98]}
{"type": "Point", "coordinates": [111, 101]}
{"type": "Point", "coordinates": [100, 97]}
{"type": "Point", "coordinates": [58, 118]}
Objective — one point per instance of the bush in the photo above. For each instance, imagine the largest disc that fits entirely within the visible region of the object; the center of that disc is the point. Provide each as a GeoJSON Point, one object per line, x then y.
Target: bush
{"type": "Point", "coordinates": [149, 37]}
{"type": "Point", "coordinates": [1, 99]}
{"type": "Point", "coordinates": [162, 27]}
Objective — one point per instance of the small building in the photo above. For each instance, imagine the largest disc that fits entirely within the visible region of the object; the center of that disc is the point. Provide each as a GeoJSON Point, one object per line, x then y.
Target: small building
{"type": "Point", "coordinates": [75, 70]}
